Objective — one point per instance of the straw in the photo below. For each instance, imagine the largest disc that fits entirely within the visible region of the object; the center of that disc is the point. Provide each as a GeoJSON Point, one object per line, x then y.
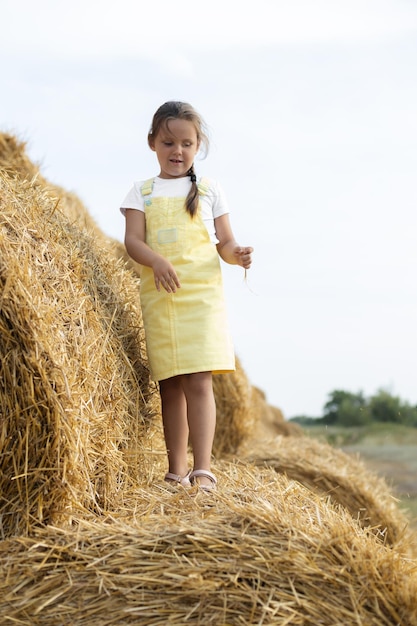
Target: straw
{"type": "Point", "coordinates": [264, 550]}
{"type": "Point", "coordinates": [297, 532]}
{"type": "Point", "coordinates": [342, 478]}
{"type": "Point", "coordinates": [75, 393]}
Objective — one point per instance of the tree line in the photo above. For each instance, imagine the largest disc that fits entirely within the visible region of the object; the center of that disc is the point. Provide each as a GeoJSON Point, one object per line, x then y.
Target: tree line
{"type": "Point", "coordinates": [344, 408]}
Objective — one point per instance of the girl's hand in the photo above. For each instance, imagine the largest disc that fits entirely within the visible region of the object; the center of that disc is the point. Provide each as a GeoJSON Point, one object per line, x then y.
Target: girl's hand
{"type": "Point", "coordinates": [243, 256]}
{"type": "Point", "coordinates": [165, 275]}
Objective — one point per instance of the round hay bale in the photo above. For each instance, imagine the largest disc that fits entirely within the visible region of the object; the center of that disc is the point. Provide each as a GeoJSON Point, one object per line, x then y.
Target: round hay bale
{"type": "Point", "coordinates": [75, 395]}
{"type": "Point", "coordinates": [270, 420]}
{"type": "Point", "coordinates": [235, 417]}
{"type": "Point", "coordinates": [243, 414]}
{"type": "Point", "coordinates": [343, 478]}
{"type": "Point", "coordinates": [263, 551]}
{"type": "Point", "coordinates": [15, 163]}
{"type": "Point", "coordinates": [119, 251]}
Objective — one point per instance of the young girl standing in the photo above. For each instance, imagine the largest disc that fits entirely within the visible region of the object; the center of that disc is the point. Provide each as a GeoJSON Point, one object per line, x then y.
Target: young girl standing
{"type": "Point", "coordinates": [176, 227]}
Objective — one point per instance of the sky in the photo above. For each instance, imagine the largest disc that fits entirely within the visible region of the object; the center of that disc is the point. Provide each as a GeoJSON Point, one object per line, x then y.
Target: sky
{"type": "Point", "coordinates": [312, 111]}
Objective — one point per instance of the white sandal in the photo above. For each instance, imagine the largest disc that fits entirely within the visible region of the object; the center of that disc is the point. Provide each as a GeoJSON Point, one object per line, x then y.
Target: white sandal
{"type": "Point", "coordinates": [205, 474]}
{"type": "Point", "coordinates": [176, 478]}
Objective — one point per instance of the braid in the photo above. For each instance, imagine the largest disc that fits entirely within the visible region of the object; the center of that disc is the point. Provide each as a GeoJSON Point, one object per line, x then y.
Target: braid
{"type": "Point", "coordinates": [191, 201]}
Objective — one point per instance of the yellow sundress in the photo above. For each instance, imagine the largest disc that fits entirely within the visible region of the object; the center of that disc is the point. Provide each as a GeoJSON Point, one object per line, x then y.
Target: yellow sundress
{"type": "Point", "coordinates": [186, 331]}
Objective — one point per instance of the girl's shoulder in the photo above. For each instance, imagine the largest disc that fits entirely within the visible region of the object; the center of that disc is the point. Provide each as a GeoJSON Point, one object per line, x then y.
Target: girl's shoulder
{"type": "Point", "coordinates": [138, 184]}
{"type": "Point", "coordinates": [213, 196]}
{"type": "Point", "coordinates": [137, 188]}
{"type": "Point", "coordinates": [210, 186]}
{"type": "Point", "coordinates": [133, 199]}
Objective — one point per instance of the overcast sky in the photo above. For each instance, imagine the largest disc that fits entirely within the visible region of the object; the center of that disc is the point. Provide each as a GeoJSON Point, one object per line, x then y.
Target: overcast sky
{"type": "Point", "coordinates": [312, 109]}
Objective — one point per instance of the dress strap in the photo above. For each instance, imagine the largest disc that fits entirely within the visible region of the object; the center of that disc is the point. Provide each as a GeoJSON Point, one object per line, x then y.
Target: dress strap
{"type": "Point", "coordinates": [147, 186]}
{"type": "Point", "coordinates": [203, 186]}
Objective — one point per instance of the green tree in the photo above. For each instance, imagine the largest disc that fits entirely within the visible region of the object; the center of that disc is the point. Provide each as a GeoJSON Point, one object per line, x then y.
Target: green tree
{"type": "Point", "coordinates": [383, 407]}
{"type": "Point", "coordinates": [409, 414]}
{"type": "Point", "coordinates": [345, 409]}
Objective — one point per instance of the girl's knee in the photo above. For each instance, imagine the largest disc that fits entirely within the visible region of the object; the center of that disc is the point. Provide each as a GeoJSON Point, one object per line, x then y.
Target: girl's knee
{"type": "Point", "coordinates": [199, 382]}
{"type": "Point", "coordinates": [171, 387]}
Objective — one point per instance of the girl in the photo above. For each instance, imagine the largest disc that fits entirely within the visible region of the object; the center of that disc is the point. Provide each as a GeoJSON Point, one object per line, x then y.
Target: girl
{"type": "Point", "coordinates": [174, 223]}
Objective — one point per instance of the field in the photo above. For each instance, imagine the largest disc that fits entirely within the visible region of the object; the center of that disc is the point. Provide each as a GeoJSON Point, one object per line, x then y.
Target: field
{"type": "Point", "coordinates": [390, 450]}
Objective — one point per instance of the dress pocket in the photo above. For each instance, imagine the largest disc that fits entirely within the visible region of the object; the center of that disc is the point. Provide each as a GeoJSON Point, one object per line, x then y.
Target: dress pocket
{"type": "Point", "coordinates": [167, 235]}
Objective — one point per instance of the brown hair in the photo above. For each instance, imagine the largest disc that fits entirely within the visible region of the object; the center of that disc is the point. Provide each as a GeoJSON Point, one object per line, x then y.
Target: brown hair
{"type": "Point", "coordinates": [173, 110]}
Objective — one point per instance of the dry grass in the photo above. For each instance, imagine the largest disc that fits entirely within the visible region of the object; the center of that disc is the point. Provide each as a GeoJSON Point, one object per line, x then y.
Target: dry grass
{"type": "Point", "coordinates": [75, 395]}
{"type": "Point", "coordinates": [342, 478]}
{"type": "Point", "coordinates": [235, 421]}
{"type": "Point", "coordinates": [298, 533]}
{"type": "Point", "coordinates": [264, 550]}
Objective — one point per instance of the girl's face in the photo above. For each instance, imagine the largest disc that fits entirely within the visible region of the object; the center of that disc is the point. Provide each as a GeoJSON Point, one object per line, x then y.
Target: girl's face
{"type": "Point", "coordinates": [176, 145]}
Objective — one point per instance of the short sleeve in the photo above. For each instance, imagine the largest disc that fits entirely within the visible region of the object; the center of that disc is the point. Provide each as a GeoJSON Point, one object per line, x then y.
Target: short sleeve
{"type": "Point", "coordinates": [134, 199]}
{"type": "Point", "coordinates": [219, 205]}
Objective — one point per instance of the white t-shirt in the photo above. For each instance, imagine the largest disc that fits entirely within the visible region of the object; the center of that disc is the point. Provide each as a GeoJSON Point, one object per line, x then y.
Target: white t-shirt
{"type": "Point", "coordinates": [213, 202]}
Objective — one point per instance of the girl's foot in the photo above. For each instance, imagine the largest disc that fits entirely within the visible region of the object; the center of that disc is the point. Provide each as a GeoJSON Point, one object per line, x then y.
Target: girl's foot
{"type": "Point", "coordinates": [204, 479]}
{"type": "Point", "coordinates": [177, 479]}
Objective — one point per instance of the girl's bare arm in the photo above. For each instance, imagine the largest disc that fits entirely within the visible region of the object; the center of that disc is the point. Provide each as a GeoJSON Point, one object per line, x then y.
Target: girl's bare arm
{"type": "Point", "coordinates": [228, 248]}
{"type": "Point", "coordinates": [137, 248]}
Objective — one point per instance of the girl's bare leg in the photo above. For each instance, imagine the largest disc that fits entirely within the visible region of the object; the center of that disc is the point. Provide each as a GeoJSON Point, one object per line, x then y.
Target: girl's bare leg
{"type": "Point", "coordinates": [174, 418]}
{"type": "Point", "coordinates": [201, 411]}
